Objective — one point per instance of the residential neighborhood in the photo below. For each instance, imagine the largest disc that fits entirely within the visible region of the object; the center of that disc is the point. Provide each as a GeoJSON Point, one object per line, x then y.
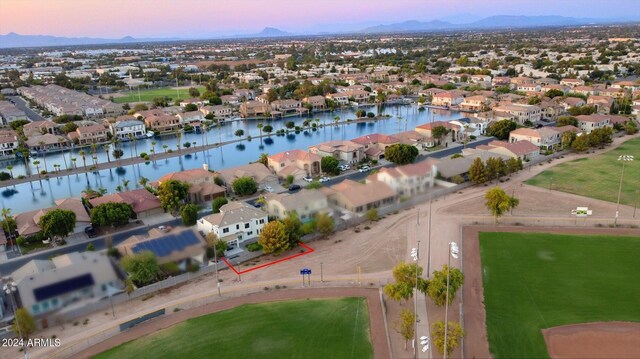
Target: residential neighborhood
{"type": "Point", "coordinates": [410, 180]}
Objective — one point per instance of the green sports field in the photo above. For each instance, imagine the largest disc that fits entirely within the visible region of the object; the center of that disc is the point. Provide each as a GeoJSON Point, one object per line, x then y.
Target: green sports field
{"type": "Point", "coordinates": [534, 281]}
{"type": "Point", "coordinates": [332, 328]}
{"type": "Point", "coordinates": [149, 95]}
{"type": "Point", "coordinates": [597, 177]}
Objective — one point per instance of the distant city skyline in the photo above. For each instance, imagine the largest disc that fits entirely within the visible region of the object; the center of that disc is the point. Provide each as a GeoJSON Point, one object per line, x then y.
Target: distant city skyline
{"type": "Point", "coordinates": [207, 18]}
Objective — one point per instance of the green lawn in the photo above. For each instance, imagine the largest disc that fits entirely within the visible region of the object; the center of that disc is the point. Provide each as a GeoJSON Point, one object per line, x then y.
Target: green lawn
{"type": "Point", "coordinates": [149, 95]}
{"type": "Point", "coordinates": [534, 281]}
{"type": "Point", "coordinates": [597, 177]}
{"type": "Point", "coordinates": [333, 328]}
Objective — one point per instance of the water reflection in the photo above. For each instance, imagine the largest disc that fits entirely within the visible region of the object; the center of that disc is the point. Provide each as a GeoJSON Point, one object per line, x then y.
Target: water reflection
{"type": "Point", "coordinates": [222, 157]}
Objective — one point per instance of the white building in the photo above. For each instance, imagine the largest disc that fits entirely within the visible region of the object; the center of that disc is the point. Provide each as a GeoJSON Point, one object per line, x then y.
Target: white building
{"type": "Point", "coordinates": [123, 129]}
{"type": "Point", "coordinates": [236, 223]}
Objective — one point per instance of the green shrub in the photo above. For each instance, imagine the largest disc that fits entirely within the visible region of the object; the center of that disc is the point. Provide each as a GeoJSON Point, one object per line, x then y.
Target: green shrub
{"type": "Point", "coordinates": [254, 247]}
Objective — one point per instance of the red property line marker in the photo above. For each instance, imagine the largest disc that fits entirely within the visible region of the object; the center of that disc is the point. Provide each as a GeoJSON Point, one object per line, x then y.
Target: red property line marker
{"type": "Point", "coordinates": [309, 250]}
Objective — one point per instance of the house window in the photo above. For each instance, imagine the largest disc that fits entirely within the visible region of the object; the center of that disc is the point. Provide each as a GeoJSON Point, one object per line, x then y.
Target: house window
{"type": "Point", "coordinates": [35, 308]}
{"type": "Point", "coordinates": [249, 233]}
{"type": "Point", "coordinates": [246, 225]}
{"type": "Point", "coordinates": [54, 302]}
{"type": "Point", "coordinates": [262, 221]}
{"type": "Point", "coordinates": [45, 305]}
{"type": "Point", "coordinates": [225, 230]}
{"type": "Point", "coordinates": [237, 226]}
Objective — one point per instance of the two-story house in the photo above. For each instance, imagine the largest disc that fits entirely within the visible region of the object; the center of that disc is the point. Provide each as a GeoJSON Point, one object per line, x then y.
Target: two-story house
{"type": "Point", "coordinates": [8, 142]}
{"type": "Point", "coordinates": [90, 134]}
{"type": "Point", "coordinates": [298, 163]}
{"type": "Point", "coordinates": [375, 144]}
{"type": "Point", "coordinates": [447, 99]}
{"type": "Point", "coordinates": [317, 103]}
{"type": "Point", "coordinates": [454, 132]}
{"type": "Point", "coordinates": [588, 123]}
{"type": "Point", "coordinates": [305, 203]}
{"type": "Point", "coordinates": [522, 113]}
{"type": "Point", "coordinates": [545, 137]}
{"type": "Point", "coordinates": [236, 223]}
{"type": "Point", "coordinates": [162, 123]}
{"type": "Point", "coordinates": [347, 152]}
{"type": "Point", "coordinates": [407, 180]}
{"type": "Point", "coordinates": [123, 129]}
{"type": "Point", "coordinates": [202, 186]}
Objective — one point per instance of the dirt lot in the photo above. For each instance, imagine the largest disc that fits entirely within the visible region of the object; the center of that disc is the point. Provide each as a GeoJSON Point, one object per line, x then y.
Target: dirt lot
{"type": "Point", "coordinates": [594, 340]}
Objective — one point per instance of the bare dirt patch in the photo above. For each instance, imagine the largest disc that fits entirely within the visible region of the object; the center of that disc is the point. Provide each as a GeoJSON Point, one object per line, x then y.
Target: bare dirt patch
{"type": "Point", "coordinates": [594, 340]}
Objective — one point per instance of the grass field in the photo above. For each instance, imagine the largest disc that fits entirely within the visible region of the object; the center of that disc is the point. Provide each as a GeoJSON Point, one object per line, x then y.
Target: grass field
{"type": "Point", "coordinates": [534, 281]}
{"type": "Point", "coordinates": [597, 177]}
{"type": "Point", "coordinates": [149, 95]}
{"type": "Point", "coordinates": [333, 328]}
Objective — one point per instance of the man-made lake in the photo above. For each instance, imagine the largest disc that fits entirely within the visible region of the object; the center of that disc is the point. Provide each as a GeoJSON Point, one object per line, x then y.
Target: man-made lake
{"type": "Point", "coordinates": [44, 193]}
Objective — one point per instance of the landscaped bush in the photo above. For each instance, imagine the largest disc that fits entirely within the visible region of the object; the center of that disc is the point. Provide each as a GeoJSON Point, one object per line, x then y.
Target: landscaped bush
{"type": "Point", "coordinates": [254, 247]}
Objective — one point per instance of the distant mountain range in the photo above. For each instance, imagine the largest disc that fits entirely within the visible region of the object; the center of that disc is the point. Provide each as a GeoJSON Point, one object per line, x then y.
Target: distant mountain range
{"type": "Point", "coordinates": [16, 40]}
{"type": "Point", "coordinates": [492, 22]}
{"type": "Point", "coordinates": [456, 23]}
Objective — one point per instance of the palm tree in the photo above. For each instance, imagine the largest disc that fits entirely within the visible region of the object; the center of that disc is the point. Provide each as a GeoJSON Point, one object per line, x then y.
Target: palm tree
{"type": "Point", "coordinates": [153, 146]}
{"type": "Point", "coordinates": [83, 153]}
{"type": "Point", "coordinates": [102, 191]}
{"type": "Point", "coordinates": [44, 157]}
{"type": "Point", "coordinates": [56, 167]}
{"type": "Point", "coordinates": [125, 183]}
{"type": "Point", "coordinates": [60, 141]}
{"type": "Point", "coordinates": [6, 214]}
{"type": "Point", "coordinates": [93, 153]}
{"type": "Point", "coordinates": [10, 170]}
{"type": "Point", "coordinates": [143, 181]}
{"type": "Point", "coordinates": [178, 137]}
{"type": "Point", "coordinates": [106, 149]}
{"type": "Point", "coordinates": [37, 164]}
{"type": "Point", "coordinates": [130, 147]}
{"type": "Point", "coordinates": [119, 188]}
{"type": "Point", "coordinates": [73, 160]}
{"type": "Point", "coordinates": [260, 126]}
{"type": "Point", "coordinates": [135, 145]}
{"type": "Point", "coordinates": [25, 156]}
{"type": "Point", "coordinates": [165, 148]}
{"type": "Point", "coordinates": [336, 120]}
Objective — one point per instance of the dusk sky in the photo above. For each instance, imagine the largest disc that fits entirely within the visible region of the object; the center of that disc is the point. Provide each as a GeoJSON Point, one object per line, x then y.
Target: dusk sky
{"type": "Point", "coordinates": [200, 18]}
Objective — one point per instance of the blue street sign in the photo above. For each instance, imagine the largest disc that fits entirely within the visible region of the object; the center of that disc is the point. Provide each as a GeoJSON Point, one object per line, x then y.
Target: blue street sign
{"type": "Point", "coordinates": [304, 271]}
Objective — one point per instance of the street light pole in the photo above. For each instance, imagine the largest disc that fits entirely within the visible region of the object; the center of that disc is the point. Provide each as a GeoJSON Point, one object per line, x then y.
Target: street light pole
{"type": "Point", "coordinates": [321, 274]}
{"type": "Point", "coordinates": [453, 252]}
{"type": "Point", "coordinates": [215, 262]}
{"type": "Point", "coordinates": [415, 256]}
{"type": "Point", "coordinates": [429, 235]}
{"type": "Point", "coordinates": [10, 289]}
{"type": "Point", "coordinates": [624, 159]}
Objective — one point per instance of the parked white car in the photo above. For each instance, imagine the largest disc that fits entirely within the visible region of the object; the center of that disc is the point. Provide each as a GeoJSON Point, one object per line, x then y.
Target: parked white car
{"type": "Point", "coordinates": [308, 179]}
{"type": "Point", "coordinates": [268, 189]}
{"type": "Point", "coordinates": [364, 169]}
{"type": "Point", "coordinates": [324, 179]}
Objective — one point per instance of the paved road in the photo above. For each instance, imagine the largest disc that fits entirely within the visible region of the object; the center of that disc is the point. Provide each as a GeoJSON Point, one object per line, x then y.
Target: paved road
{"type": "Point", "coordinates": [22, 105]}
{"type": "Point", "coordinates": [99, 242]}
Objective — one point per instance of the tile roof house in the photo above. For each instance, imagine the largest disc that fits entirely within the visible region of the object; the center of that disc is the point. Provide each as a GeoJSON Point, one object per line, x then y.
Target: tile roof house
{"type": "Point", "coordinates": [259, 172]}
{"type": "Point", "coordinates": [545, 137]}
{"type": "Point", "coordinates": [414, 138]}
{"type": "Point", "coordinates": [144, 203]}
{"type": "Point", "coordinates": [46, 286]}
{"type": "Point", "coordinates": [359, 198]}
{"type": "Point", "coordinates": [236, 222]}
{"type": "Point", "coordinates": [344, 151]}
{"type": "Point", "coordinates": [317, 103]}
{"type": "Point", "coordinates": [202, 186]}
{"type": "Point", "coordinates": [178, 246]}
{"type": "Point", "coordinates": [375, 144]}
{"type": "Point", "coordinates": [27, 222]}
{"type": "Point", "coordinates": [456, 133]}
{"type": "Point", "coordinates": [162, 123]}
{"type": "Point", "coordinates": [450, 167]}
{"type": "Point", "coordinates": [407, 180]}
{"type": "Point", "coordinates": [8, 142]}
{"type": "Point", "coordinates": [306, 162]}
{"type": "Point", "coordinates": [523, 149]}
{"type": "Point", "coordinates": [447, 99]}
{"type": "Point", "coordinates": [588, 123]}
{"type": "Point", "coordinates": [522, 113]}
{"type": "Point", "coordinates": [305, 203]}
{"type": "Point", "coordinates": [254, 109]}
{"type": "Point", "coordinates": [90, 134]}
{"type": "Point", "coordinates": [603, 104]}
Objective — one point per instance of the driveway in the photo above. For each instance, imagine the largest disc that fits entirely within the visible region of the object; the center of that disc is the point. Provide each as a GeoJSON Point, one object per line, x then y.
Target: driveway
{"type": "Point", "coordinates": [23, 106]}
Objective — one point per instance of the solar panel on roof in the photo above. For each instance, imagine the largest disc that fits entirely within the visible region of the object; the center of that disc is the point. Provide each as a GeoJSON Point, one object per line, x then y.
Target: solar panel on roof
{"type": "Point", "coordinates": [62, 287]}
{"type": "Point", "coordinates": [165, 245]}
